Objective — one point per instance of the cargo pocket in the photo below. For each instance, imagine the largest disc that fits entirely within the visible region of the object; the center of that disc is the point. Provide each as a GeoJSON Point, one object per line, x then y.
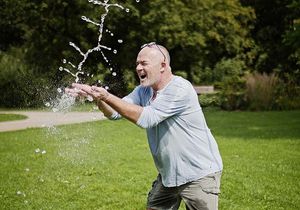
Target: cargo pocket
{"type": "Point", "coordinates": [211, 183]}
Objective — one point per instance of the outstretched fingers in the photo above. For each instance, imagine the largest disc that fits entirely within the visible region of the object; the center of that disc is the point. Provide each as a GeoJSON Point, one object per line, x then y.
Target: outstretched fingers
{"type": "Point", "coordinates": [83, 88]}
{"type": "Point", "coordinates": [75, 92]}
{"type": "Point", "coordinates": [97, 93]}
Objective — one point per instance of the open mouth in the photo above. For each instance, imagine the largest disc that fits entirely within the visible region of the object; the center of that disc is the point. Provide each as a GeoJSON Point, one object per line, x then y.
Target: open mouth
{"type": "Point", "coordinates": [143, 76]}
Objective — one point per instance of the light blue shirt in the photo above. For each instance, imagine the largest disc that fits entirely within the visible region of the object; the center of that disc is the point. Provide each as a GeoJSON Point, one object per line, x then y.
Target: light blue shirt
{"type": "Point", "coordinates": [181, 144]}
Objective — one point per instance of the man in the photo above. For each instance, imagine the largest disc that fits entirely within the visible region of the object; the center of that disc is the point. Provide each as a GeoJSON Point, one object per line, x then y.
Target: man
{"type": "Point", "coordinates": [184, 151]}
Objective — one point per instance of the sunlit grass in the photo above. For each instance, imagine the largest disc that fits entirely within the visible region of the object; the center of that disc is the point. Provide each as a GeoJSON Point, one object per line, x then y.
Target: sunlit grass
{"type": "Point", "coordinates": [107, 165]}
{"type": "Point", "coordinates": [11, 117]}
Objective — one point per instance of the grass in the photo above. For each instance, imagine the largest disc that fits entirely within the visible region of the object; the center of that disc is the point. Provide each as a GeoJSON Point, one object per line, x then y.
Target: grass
{"type": "Point", "coordinates": [11, 117]}
{"type": "Point", "coordinates": [107, 165]}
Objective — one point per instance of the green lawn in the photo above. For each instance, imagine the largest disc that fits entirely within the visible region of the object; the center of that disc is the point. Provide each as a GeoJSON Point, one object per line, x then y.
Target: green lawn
{"type": "Point", "coordinates": [107, 164]}
{"type": "Point", "coordinates": [10, 117]}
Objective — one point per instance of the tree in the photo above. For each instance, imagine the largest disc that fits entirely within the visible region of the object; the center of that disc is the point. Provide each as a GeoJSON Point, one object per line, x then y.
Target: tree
{"type": "Point", "coordinates": [277, 34]}
{"type": "Point", "coordinates": [198, 33]}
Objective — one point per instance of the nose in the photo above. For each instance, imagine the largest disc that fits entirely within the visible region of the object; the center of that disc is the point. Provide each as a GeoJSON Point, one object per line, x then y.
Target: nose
{"type": "Point", "coordinates": [138, 67]}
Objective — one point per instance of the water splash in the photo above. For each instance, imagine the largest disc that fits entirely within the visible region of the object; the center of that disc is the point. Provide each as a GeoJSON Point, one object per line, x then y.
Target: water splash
{"type": "Point", "coordinates": [77, 70]}
{"type": "Point", "coordinates": [62, 103]}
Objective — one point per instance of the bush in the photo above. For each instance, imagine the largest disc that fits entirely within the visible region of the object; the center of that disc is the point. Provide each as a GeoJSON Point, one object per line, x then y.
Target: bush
{"type": "Point", "coordinates": [232, 93]}
{"type": "Point", "coordinates": [287, 94]}
{"type": "Point", "coordinates": [260, 91]}
{"type": "Point", "coordinates": [20, 86]}
{"type": "Point", "coordinates": [228, 68]}
{"type": "Point", "coordinates": [209, 100]}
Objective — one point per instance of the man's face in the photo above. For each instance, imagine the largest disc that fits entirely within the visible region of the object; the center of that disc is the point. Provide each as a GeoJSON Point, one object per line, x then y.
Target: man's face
{"type": "Point", "coordinates": [149, 64]}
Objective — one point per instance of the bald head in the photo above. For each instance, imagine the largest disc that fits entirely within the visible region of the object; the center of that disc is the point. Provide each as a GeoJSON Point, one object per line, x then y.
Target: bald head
{"type": "Point", "coordinates": [165, 53]}
{"type": "Point", "coordinates": [158, 50]}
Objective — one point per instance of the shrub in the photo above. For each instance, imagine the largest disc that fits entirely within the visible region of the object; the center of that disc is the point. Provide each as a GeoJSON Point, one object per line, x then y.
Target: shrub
{"type": "Point", "coordinates": [232, 93]}
{"type": "Point", "coordinates": [287, 94]}
{"type": "Point", "coordinates": [20, 86]}
{"type": "Point", "coordinates": [260, 91]}
{"type": "Point", "coordinates": [228, 68]}
{"type": "Point", "coordinates": [209, 100]}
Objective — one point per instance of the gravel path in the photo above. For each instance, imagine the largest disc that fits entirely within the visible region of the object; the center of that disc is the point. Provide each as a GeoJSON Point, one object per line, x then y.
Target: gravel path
{"type": "Point", "coordinates": [47, 119]}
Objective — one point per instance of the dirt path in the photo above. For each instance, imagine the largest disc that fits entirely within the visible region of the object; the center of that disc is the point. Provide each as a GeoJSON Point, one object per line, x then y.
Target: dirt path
{"type": "Point", "coordinates": [47, 119]}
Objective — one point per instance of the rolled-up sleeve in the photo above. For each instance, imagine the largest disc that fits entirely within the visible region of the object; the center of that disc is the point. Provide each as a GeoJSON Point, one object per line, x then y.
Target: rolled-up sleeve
{"type": "Point", "coordinates": [149, 117]}
{"type": "Point", "coordinates": [132, 98]}
{"type": "Point", "coordinates": [164, 106]}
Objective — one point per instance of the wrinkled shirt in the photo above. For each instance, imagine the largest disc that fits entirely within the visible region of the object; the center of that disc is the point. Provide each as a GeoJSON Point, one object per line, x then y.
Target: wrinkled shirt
{"type": "Point", "coordinates": [182, 146]}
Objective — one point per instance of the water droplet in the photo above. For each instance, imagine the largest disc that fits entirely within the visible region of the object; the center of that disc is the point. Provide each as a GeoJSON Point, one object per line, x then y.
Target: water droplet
{"type": "Point", "coordinates": [64, 61]}
{"type": "Point", "coordinates": [61, 68]}
{"type": "Point", "coordinates": [120, 41]}
{"type": "Point", "coordinates": [127, 10]}
{"type": "Point", "coordinates": [59, 90]}
{"type": "Point", "coordinates": [114, 74]}
{"type": "Point", "coordinates": [111, 34]}
{"type": "Point", "coordinates": [115, 51]}
{"type": "Point", "coordinates": [47, 104]}
{"type": "Point", "coordinates": [19, 193]}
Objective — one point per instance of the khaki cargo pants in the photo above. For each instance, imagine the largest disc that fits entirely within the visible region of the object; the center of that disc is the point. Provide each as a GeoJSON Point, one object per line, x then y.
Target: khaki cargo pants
{"type": "Point", "coordinates": [201, 194]}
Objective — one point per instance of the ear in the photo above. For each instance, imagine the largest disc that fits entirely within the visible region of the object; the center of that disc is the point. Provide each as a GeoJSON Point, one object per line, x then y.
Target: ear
{"type": "Point", "coordinates": [163, 66]}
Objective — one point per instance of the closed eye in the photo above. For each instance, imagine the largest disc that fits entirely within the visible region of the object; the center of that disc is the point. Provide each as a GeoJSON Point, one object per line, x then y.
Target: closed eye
{"type": "Point", "coordinates": [143, 63]}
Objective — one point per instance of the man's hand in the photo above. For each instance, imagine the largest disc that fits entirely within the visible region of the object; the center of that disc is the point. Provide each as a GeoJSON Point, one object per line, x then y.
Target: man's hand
{"type": "Point", "coordinates": [107, 103]}
{"type": "Point", "coordinates": [75, 92]}
{"type": "Point", "coordinates": [98, 93]}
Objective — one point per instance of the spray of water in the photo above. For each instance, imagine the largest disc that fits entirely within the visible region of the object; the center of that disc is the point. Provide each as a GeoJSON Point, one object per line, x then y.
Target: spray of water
{"type": "Point", "coordinates": [63, 101]}
{"type": "Point", "coordinates": [76, 70]}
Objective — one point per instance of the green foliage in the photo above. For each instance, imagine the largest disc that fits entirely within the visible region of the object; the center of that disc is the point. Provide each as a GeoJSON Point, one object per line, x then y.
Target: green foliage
{"type": "Point", "coordinates": [107, 165]}
{"type": "Point", "coordinates": [20, 85]}
{"type": "Point", "coordinates": [232, 93]}
{"type": "Point", "coordinates": [209, 100]}
{"type": "Point", "coordinates": [12, 28]}
{"type": "Point", "coordinates": [226, 69]}
{"type": "Point", "coordinates": [181, 73]}
{"type": "Point", "coordinates": [277, 34]}
{"type": "Point", "coordinates": [198, 31]}
{"type": "Point", "coordinates": [288, 94]}
{"type": "Point", "coordinates": [210, 40]}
